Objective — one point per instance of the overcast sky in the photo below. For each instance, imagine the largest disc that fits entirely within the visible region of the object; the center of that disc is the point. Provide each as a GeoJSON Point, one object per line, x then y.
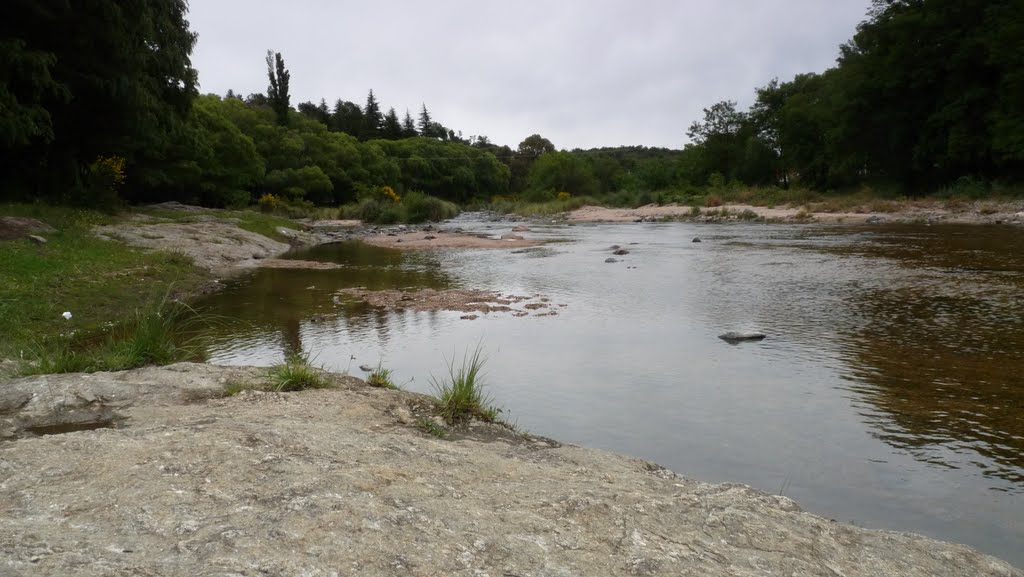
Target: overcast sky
{"type": "Point", "coordinates": [582, 73]}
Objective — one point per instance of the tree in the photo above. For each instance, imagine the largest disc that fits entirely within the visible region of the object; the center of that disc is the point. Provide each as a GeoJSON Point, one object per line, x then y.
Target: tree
{"type": "Point", "coordinates": [391, 128]}
{"type": "Point", "coordinates": [83, 79]}
{"type": "Point", "coordinates": [408, 126]}
{"type": "Point", "coordinates": [372, 119]}
{"type": "Point", "coordinates": [425, 122]}
{"type": "Point", "coordinates": [347, 117]}
{"type": "Point", "coordinates": [318, 112]}
{"type": "Point", "coordinates": [277, 92]}
{"type": "Point", "coordinates": [719, 137]}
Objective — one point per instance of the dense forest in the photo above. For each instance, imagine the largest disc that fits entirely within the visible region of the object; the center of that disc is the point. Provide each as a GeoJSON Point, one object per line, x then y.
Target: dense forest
{"type": "Point", "coordinates": [99, 105]}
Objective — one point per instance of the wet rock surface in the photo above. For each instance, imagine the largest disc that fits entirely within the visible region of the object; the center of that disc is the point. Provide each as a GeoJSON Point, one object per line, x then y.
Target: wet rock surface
{"type": "Point", "coordinates": [344, 482]}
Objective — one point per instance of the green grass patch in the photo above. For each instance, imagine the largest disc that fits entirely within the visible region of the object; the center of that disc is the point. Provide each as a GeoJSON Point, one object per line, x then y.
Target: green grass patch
{"type": "Point", "coordinates": [152, 336]}
{"type": "Point", "coordinates": [96, 280]}
{"type": "Point", "coordinates": [460, 395]}
{"type": "Point", "coordinates": [296, 373]}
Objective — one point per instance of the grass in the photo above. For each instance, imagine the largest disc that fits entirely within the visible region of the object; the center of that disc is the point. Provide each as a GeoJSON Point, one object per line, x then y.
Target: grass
{"type": "Point", "coordinates": [153, 336]}
{"type": "Point", "coordinates": [460, 395]}
{"type": "Point", "coordinates": [96, 280]}
{"type": "Point", "coordinates": [381, 377]}
{"type": "Point", "coordinates": [296, 373]}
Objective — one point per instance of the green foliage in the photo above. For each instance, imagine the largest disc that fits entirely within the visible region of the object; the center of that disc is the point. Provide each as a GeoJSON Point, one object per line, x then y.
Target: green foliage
{"type": "Point", "coordinates": [460, 395]}
{"type": "Point", "coordinates": [422, 207]}
{"type": "Point", "coordinates": [296, 374]}
{"type": "Point", "coordinates": [77, 84]}
{"type": "Point", "coordinates": [298, 183]}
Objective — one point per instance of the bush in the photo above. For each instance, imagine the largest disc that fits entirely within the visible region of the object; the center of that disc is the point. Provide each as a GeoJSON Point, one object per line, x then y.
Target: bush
{"type": "Point", "coordinates": [422, 207]}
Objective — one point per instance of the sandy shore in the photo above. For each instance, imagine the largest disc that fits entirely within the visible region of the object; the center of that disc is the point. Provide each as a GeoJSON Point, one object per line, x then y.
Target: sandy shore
{"type": "Point", "coordinates": [908, 212]}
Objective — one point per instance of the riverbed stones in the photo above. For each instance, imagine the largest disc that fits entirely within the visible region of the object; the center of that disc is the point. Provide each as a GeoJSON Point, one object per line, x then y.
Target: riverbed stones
{"type": "Point", "coordinates": [345, 481]}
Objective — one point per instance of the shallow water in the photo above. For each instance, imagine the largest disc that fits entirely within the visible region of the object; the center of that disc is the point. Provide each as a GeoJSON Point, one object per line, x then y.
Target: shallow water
{"type": "Point", "coordinates": [889, 392]}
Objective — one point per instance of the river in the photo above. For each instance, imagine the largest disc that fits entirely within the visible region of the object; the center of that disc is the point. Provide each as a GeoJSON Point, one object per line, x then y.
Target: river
{"type": "Point", "coordinates": [889, 392]}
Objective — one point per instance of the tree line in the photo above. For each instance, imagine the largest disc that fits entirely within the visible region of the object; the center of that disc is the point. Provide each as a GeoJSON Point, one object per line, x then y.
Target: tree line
{"type": "Point", "coordinates": [99, 104]}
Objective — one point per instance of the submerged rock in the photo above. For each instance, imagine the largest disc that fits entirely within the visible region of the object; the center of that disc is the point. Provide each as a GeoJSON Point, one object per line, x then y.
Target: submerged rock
{"type": "Point", "coordinates": [353, 477]}
{"type": "Point", "coordinates": [738, 337]}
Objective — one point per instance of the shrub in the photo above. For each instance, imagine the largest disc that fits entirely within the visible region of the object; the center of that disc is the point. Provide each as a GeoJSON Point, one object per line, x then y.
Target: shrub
{"type": "Point", "coordinates": [422, 207]}
{"type": "Point", "coordinates": [268, 203]}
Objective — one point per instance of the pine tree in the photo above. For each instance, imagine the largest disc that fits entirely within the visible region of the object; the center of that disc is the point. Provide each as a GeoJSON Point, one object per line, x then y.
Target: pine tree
{"type": "Point", "coordinates": [408, 126]}
{"type": "Point", "coordinates": [392, 127]}
{"type": "Point", "coordinates": [277, 92]}
{"type": "Point", "coordinates": [372, 118]}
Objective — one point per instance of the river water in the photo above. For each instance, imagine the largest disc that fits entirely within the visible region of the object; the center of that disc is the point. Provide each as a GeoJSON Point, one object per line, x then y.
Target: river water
{"type": "Point", "coordinates": [889, 392]}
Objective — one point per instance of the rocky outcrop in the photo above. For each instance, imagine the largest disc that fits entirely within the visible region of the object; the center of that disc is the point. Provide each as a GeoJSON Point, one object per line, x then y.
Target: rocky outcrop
{"type": "Point", "coordinates": [344, 482]}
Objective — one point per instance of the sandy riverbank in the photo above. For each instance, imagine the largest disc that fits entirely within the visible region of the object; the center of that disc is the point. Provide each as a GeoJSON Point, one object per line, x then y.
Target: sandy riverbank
{"type": "Point", "coordinates": [906, 212]}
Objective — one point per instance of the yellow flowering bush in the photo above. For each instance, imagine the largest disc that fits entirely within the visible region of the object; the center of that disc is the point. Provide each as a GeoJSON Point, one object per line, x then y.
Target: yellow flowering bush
{"type": "Point", "coordinates": [564, 195]}
{"type": "Point", "coordinates": [268, 203]}
{"type": "Point", "coordinates": [105, 177]}
{"type": "Point", "coordinates": [390, 193]}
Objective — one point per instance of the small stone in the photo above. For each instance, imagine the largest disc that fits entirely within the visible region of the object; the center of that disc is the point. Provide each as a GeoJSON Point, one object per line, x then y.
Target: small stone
{"type": "Point", "coordinates": [610, 259]}
{"type": "Point", "coordinates": [37, 239]}
{"type": "Point", "coordinates": [469, 317]}
{"type": "Point", "coordinates": [403, 415]}
{"type": "Point", "coordinates": [429, 237]}
{"type": "Point", "coordinates": [621, 252]}
{"type": "Point", "coordinates": [695, 239]}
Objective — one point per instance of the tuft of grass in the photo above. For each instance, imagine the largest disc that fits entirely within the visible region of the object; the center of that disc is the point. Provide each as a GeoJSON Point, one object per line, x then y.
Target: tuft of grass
{"type": "Point", "coordinates": [381, 377]}
{"type": "Point", "coordinates": [460, 395]}
{"type": "Point", "coordinates": [296, 373]}
{"type": "Point", "coordinates": [432, 428]}
{"type": "Point", "coordinates": [232, 388]}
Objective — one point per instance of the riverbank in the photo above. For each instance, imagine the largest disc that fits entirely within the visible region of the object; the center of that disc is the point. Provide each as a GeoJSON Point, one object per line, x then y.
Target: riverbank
{"type": "Point", "coordinates": [879, 212]}
{"type": "Point", "coordinates": [344, 480]}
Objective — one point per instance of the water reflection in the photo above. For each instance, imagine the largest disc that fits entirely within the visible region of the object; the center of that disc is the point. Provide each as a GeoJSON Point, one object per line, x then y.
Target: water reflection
{"type": "Point", "coordinates": [283, 309]}
{"type": "Point", "coordinates": [940, 356]}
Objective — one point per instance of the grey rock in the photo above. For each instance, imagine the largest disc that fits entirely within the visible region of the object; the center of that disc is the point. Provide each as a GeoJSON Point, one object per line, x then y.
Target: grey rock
{"type": "Point", "coordinates": [610, 259]}
{"type": "Point", "coordinates": [510, 236]}
{"type": "Point", "coordinates": [874, 220]}
{"type": "Point", "coordinates": [344, 481]}
{"type": "Point", "coordinates": [695, 239]}
{"type": "Point", "coordinates": [37, 239]}
{"type": "Point", "coordinates": [738, 337]}
{"type": "Point", "coordinates": [621, 252]}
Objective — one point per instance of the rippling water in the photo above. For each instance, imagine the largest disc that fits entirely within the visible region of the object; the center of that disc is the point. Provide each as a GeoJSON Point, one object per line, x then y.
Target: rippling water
{"type": "Point", "coordinates": [889, 392]}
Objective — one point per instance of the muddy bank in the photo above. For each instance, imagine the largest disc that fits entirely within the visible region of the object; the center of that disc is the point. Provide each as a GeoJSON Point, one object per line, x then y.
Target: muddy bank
{"type": "Point", "coordinates": [344, 482]}
{"type": "Point", "coordinates": [907, 212]}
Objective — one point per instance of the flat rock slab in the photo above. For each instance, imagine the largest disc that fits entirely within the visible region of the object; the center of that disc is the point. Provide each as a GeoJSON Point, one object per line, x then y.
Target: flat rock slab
{"type": "Point", "coordinates": [339, 482]}
{"type": "Point", "coordinates": [215, 246]}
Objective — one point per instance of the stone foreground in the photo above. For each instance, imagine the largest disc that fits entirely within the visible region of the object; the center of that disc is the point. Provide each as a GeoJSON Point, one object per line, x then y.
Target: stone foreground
{"type": "Point", "coordinates": [342, 482]}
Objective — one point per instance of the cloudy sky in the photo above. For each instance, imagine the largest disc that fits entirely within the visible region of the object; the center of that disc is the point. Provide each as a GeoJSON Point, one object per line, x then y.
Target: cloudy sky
{"type": "Point", "coordinates": [582, 73]}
